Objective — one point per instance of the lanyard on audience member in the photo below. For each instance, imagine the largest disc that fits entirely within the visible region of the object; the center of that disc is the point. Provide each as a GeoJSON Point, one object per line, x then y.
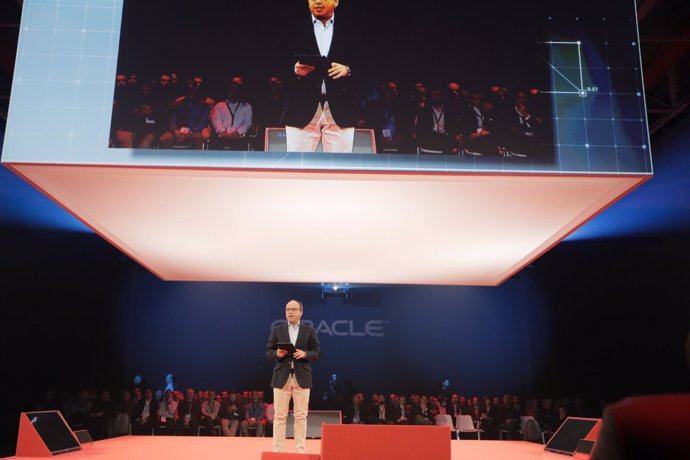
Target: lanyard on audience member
{"type": "Point", "coordinates": [438, 119]}
{"type": "Point", "coordinates": [232, 113]}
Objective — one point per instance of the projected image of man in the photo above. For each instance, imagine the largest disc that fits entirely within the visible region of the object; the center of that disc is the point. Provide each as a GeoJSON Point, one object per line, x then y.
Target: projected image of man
{"type": "Point", "coordinates": [292, 373]}
{"type": "Point", "coordinates": [320, 105]}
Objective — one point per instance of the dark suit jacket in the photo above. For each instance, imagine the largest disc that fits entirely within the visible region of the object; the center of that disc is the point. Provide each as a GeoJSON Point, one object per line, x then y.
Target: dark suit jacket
{"type": "Point", "coordinates": [454, 410]}
{"type": "Point", "coordinates": [153, 410]}
{"type": "Point", "coordinates": [306, 341]}
{"type": "Point", "coordinates": [349, 412]}
{"type": "Point", "coordinates": [395, 412]}
{"type": "Point", "coordinates": [425, 123]}
{"type": "Point", "coordinates": [304, 92]}
{"type": "Point", "coordinates": [185, 407]}
{"type": "Point", "coordinates": [468, 121]}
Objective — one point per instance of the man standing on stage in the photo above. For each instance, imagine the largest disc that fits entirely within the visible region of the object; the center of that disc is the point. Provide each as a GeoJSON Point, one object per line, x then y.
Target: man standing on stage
{"type": "Point", "coordinates": [292, 374]}
{"type": "Point", "coordinates": [320, 105]}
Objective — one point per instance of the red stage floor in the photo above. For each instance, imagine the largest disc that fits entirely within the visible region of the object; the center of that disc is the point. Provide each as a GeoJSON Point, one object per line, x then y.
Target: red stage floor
{"type": "Point", "coordinates": [213, 448]}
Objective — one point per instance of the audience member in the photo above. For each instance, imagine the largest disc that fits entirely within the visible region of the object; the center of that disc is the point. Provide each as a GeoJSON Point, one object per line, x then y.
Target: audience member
{"type": "Point", "coordinates": [232, 415]}
{"type": "Point", "coordinates": [547, 416]}
{"type": "Point", "coordinates": [255, 414]}
{"type": "Point", "coordinates": [522, 126]}
{"type": "Point", "coordinates": [145, 414]}
{"type": "Point", "coordinates": [210, 410]}
{"type": "Point", "coordinates": [388, 118]}
{"type": "Point", "coordinates": [478, 139]}
{"type": "Point", "coordinates": [167, 411]}
{"type": "Point", "coordinates": [270, 416]}
{"type": "Point", "coordinates": [231, 120]}
{"type": "Point", "coordinates": [188, 414]}
{"type": "Point", "coordinates": [510, 417]}
{"type": "Point", "coordinates": [422, 413]}
{"type": "Point", "coordinates": [455, 407]}
{"type": "Point", "coordinates": [124, 414]}
{"type": "Point", "coordinates": [101, 418]}
{"type": "Point", "coordinates": [189, 119]}
{"type": "Point", "coordinates": [355, 413]}
{"type": "Point", "coordinates": [400, 413]}
{"type": "Point", "coordinates": [489, 419]}
{"type": "Point", "coordinates": [142, 127]}
{"type": "Point", "coordinates": [381, 410]}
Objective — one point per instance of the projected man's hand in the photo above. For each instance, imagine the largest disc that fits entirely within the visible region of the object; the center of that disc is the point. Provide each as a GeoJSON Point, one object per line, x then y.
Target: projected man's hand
{"type": "Point", "coordinates": [302, 70]}
{"type": "Point", "coordinates": [338, 71]}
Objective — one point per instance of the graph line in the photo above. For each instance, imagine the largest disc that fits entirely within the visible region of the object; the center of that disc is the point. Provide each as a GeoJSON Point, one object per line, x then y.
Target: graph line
{"type": "Point", "coordinates": [579, 89]}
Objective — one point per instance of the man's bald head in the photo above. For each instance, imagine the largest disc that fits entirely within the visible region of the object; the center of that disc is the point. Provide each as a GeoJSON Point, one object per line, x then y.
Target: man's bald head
{"type": "Point", "coordinates": [323, 9]}
{"type": "Point", "coordinates": [295, 303]}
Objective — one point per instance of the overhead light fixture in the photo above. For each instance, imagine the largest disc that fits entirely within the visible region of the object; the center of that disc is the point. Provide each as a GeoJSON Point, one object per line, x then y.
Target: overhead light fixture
{"type": "Point", "coordinates": [335, 289]}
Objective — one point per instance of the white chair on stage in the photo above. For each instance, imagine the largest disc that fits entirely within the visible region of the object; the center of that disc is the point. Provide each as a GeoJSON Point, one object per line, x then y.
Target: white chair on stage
{"type": "Point", "coordinates": [464, 424]}
{"type": "Point", "coordinates": [444, 420]}
{"type": "Point", "coordinates": [530, 429]}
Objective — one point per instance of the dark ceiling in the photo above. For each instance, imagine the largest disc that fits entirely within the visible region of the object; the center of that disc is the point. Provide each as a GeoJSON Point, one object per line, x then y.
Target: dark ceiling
{"type": "Point", "coordinates": [665, 40]}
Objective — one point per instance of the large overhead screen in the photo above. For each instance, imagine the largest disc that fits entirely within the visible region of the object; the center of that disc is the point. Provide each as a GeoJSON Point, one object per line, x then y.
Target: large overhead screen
{"type": "Point", "coordinates": [448, 86]}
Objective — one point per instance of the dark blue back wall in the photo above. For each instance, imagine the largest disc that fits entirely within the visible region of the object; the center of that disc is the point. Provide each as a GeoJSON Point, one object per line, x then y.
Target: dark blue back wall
{"type": "Point", "coordinates": [388, 338]}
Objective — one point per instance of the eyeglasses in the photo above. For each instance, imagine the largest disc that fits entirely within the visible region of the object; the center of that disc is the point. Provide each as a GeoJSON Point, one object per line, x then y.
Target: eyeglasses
{"type": "Point", "coordinates": [292, 309]}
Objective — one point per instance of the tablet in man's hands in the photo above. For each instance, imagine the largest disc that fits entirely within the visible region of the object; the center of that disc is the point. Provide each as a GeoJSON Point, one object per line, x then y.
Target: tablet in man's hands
{"type": "Point", "coordinates": [287, 346]}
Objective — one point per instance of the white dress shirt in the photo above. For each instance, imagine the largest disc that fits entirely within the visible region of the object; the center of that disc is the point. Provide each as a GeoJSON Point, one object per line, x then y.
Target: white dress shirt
{"type": "Point", "coordinates": [293, 330]}
{"type": "Point", "coordinates": [324, 38]}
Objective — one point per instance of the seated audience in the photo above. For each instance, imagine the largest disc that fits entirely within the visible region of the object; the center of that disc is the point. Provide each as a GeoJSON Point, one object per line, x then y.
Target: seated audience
{"type": "Point", "coordinates": [167, 411]}
{"type": "Point", "coordinates": [522, 125]}
{"type": "Point", "coordinates": [547, 417]}
{"type": "Point", "coordinates": [145, 414]}
{"type": "Point", "coordinates": [510, 418]}
{"type": "Point", "coordinates": [255, 413]}
{"type": "Point", "coordinates": [124, 414]}
{"type": "Point", "coordinates": [188, 414]}
{"type": "Point", "coordinates": [142, 126]}
{"type": "Point", "coordinates": [389, 119]}
{"type": "Point", "coordinates": [189, 119]}
{"type": "Point", "coordinates": [269, 113]}
{"type": "Point", "coordinates": [437, 126]}
{"type": "Point", "coordinates": [210, 410]}
{"type": "Point", "coordinates": [422, 413]}
{"type": "Point", "coordinates": [474, 126]}
{"type": "Point", "coordinates": [270, 416]}
{"type": "Point", "coordinates": [356, 413]}
{"type": "Point", "coordinates": [232, 415]}
{"type": "Point", "coordinates": [381, 410]}
{"type": "Point", "coordinates": [489, 420]}
{"type": "Point", "coordinates": [400, 413]}
{"type": "Point", "coordinates": [231, 120]}
{"type": "Point", "coordinates": [455, 407]}
{"type": "Point", "coordinates": [101, 417]}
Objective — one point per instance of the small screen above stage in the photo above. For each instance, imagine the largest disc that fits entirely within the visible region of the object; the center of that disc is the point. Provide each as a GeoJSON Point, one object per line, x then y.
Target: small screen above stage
{"type": "Point", "coordinates": [333, 85]}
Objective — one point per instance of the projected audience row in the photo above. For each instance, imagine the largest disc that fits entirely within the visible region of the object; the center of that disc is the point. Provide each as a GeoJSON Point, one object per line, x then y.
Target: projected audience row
{"type": "Point", "coordinates": [442, 119]}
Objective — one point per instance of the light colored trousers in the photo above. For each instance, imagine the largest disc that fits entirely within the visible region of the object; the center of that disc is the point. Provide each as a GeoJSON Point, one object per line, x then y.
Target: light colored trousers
{"type": "Point", "coordinates": [281, 400]}
{"type": "Point", "coordinates": [321, 128]}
